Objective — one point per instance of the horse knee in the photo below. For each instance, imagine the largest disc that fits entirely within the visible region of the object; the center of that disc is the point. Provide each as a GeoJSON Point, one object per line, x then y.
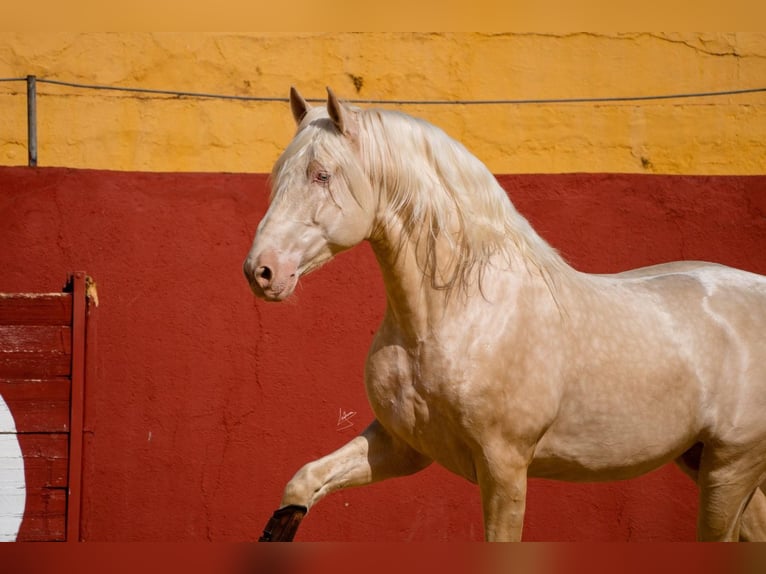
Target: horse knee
{"type": "Point", "coordinates": [302, 488]}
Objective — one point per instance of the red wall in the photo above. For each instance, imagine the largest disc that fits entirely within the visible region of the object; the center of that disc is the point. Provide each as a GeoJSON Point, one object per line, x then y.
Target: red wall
{"type": "Point", "coordinates": [203, 401]}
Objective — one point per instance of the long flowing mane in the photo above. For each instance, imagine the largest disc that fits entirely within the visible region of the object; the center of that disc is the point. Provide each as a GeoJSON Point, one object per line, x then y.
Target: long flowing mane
{"type": "Point", "coordinates": [440, 192]}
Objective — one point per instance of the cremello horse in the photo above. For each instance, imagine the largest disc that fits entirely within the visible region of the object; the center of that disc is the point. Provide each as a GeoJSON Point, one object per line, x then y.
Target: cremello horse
{"type": "Point", "coordinates": [495, 358]}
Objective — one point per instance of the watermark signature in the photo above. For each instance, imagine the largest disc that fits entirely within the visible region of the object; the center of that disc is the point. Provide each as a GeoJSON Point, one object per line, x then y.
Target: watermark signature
{"type": "Point", "coordinates": [344, 420]}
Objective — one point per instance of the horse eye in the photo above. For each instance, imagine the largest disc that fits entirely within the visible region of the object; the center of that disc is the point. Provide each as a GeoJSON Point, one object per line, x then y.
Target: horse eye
{"type": "Point", "coordinates": [322, 177]}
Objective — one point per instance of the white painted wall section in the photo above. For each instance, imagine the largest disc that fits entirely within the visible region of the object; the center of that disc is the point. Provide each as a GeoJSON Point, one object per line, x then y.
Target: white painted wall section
{"type": "Point", "coordinates": [13, 493]}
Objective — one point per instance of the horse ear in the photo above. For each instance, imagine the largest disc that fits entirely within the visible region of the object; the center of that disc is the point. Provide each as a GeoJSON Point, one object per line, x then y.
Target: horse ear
{"type": "Point", "coordinates": [298, 105]}
{"type": "Point", "coordinates": [338, 114]}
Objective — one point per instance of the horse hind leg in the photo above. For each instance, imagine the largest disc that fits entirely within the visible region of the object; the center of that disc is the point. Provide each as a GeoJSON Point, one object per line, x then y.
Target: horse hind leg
{"type": "Point", "coordinates": [729, 508]}
{"type": "Point", "coordinates": [753, 526]}
{"type": "Point", "coordinates": [722, 508]}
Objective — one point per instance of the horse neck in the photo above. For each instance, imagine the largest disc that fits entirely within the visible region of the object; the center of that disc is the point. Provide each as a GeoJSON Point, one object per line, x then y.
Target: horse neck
{"type": "Point", "coordinates": [409, 298]}
{"type": "Point", "coordinates": [418, 307]}
{"type": "Point", "coordinates": [415, 296]}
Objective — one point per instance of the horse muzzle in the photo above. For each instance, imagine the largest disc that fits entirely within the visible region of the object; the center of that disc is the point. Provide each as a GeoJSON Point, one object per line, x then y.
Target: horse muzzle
{"type": "Point", "coordinates": [270, 276]}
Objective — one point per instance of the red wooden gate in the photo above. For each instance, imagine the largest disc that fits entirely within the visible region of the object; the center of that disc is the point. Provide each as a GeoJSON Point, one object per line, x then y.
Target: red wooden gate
{"type": "Point", "coordinates": [42, 382]}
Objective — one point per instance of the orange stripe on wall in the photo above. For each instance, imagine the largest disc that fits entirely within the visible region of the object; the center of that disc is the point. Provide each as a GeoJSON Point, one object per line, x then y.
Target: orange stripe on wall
{"type": "Point", "coordinates": [88, 128]}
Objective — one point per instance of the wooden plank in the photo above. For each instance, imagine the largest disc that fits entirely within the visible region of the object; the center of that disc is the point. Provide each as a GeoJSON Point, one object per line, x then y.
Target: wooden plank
{"type": "Point", "coordinates": [77, 406]}
{"type": "Point", "coordinates": [12, 483]}
{"type": "Point", "coordinates": [41, 495]}
{"type": "Point", "coordinates": [34, 365]}
{"type": "Point", "coordinates": [56, 339]}
{"type": "Point", "coordinates": [35, 308]}
{"type": "Point", "coordinates": [37, 348]}
{"type": "Point", "coordinates": [45, 459]}
{"type": "Point", "coordinates": [42, 370]}
{"type": "Point", "coordinates": [45, 464]}
{"type": "Point", "coordinates": [44, 516]}
{"type": "Point", "coordinates": [37, 405]}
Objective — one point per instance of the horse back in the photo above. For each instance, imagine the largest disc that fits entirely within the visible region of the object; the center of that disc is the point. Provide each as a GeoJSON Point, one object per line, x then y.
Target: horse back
{"type": "Point", "coordinates": [726, 308]}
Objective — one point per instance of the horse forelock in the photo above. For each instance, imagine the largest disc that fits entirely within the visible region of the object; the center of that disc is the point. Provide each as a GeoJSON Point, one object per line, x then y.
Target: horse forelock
{"type": "Point", "coordinates": [316, 139]}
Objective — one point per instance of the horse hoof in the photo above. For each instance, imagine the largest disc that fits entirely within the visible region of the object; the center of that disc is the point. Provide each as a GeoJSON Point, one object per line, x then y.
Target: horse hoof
{"type": "Point", "coordinates": [283, 524]}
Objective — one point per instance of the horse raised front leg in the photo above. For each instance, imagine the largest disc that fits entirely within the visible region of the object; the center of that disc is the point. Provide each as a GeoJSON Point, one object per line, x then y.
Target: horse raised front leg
{"type": "Point", "coordinates": [372, 456]}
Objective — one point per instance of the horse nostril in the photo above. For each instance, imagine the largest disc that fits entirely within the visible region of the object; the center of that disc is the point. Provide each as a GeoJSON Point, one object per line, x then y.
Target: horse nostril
{"type": "Point", "coordinates": [263, 273]}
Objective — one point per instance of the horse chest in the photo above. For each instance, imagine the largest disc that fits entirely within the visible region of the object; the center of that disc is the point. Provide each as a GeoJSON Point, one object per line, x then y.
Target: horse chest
{"type": "Point", "coordinates": [408, 392]}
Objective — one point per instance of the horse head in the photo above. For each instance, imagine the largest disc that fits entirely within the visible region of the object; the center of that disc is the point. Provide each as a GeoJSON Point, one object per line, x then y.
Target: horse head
{"type": "Point", "coordinates": [321, 201]}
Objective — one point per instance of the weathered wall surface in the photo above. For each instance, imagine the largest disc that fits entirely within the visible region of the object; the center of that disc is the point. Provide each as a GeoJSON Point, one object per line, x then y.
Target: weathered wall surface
{"type": "Point", "coordinates": [204, 400]}
{"type": "Point", "coordinates": [115, 130]}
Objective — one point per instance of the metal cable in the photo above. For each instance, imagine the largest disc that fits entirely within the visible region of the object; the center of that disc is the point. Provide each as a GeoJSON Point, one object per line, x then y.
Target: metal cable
{"type": "Point", "coordinates": [161, 92]}
{"type": "Point", "coordinates": [204, 95]}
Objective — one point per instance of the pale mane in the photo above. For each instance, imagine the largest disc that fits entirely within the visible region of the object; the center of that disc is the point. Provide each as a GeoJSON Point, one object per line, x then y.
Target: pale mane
{"type": "Point", "coordinates": [441, 192]}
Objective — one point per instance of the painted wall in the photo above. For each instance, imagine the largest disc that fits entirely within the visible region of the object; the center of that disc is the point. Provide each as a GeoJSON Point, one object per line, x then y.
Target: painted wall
{"type": "Point", "coordinates": [205, 401]}
{"type": "Point", "coordinates": [13, 493]}
{"type": "Point", "coordinates": [115, 130]}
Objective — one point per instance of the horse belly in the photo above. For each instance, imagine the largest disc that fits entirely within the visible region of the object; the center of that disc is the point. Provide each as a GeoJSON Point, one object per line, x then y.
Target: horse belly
{"type": "Point", "coordinates": [614, 445]}
{"type": "Point", "coordinates": [621, 418]}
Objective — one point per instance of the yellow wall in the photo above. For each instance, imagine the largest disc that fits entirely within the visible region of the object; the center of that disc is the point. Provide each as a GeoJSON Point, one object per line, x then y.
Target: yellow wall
{"type": "Point", "coordinates": [114, 130]}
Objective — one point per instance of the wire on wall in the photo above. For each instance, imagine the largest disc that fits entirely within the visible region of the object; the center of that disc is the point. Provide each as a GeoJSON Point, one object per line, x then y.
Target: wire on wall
{"type": "Point", "coordinates": [32, 82]}
{"type": "Point", "coordinates": [510, 101]}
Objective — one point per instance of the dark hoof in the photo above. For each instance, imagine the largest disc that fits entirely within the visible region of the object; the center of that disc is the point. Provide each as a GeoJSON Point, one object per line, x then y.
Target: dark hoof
{"type": "Point", "coordinates": [283, 524]}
